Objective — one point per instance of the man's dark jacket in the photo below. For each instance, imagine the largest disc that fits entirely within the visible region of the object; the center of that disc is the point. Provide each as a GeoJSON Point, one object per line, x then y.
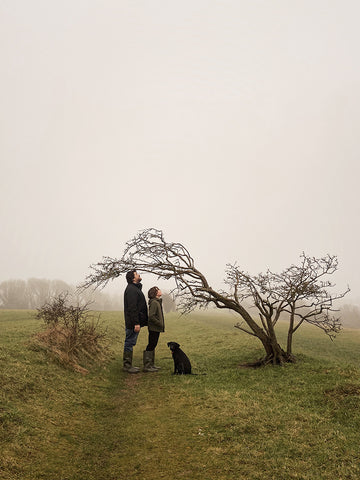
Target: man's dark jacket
{"type": "Point", "coordinates": [135, 308]}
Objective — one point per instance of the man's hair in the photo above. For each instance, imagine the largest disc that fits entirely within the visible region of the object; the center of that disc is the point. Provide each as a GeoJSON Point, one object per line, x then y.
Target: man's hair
{"type": "Point", "coordinates": [152, 292]}
{"type": "Point", "coordinates": [130, 276]}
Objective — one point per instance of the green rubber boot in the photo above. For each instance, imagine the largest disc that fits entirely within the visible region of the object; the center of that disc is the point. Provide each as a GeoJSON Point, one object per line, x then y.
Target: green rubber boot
{"type": "Point", "coordinates": [127, 359]}
{"type": "Point", "coordinates": [153, 361]}
{"type": "Point", "coordinates": [148, 362]}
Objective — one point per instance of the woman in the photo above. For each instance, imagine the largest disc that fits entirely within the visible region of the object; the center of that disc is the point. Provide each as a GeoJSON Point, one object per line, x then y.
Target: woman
{"type": "Point", "coordinates": [155, 326]}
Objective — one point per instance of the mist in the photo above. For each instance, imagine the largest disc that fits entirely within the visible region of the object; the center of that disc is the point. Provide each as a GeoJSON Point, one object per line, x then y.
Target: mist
{"type": "Point", "coordinates": [232, 126]}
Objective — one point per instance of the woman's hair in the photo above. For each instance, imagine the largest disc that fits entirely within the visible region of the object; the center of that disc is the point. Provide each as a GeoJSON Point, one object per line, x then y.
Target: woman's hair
{"type": "Point", "coordinates": [152, 292]}
{"type": "Point", "coordinates": [130, 276]}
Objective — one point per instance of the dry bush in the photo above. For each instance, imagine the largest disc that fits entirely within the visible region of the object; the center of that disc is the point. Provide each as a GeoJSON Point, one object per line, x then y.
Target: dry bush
{"type": "Point", "coordinates": [73, 334]}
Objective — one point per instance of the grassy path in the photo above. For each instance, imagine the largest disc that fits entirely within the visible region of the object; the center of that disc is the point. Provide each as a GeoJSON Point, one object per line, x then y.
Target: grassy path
{"type": "Point", "coordinates": [297, 422]}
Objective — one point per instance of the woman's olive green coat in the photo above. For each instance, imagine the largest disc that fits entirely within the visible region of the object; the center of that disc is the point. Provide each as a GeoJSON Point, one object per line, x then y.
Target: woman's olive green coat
{"type": "Point", "coordinates": [156, 315]}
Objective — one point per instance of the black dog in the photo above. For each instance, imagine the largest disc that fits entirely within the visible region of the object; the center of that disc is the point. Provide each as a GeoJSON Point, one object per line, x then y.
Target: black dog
{"type": "Point", "coordinates": [182, 365]}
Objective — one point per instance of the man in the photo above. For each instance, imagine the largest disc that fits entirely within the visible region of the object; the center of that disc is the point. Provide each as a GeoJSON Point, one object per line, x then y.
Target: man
{"type": "Point", "coordinates": [136, 316]}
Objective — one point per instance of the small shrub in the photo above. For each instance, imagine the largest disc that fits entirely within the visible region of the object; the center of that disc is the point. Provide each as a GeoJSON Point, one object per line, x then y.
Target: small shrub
{"type": "Point", "coordinates": [73, 334]}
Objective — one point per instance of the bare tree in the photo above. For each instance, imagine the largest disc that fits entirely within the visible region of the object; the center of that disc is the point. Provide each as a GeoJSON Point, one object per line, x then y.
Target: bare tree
{"type": "Point", "coordinates": [299, 292]}
{"type": "Point", "coordinates": [39, 291]}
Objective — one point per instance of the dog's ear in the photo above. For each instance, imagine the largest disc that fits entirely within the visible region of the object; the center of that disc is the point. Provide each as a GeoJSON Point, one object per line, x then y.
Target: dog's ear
{"type": "Point", "coordinates": [177, 345]}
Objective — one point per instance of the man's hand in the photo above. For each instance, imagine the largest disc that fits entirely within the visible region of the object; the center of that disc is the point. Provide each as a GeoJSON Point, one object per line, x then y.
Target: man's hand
{"type": "Point", "coordinates": [137, 328]}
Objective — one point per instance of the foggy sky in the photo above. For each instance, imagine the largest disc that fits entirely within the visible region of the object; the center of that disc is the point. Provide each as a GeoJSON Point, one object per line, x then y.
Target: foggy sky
{"type": "Point", "coordinates": [233, 126]}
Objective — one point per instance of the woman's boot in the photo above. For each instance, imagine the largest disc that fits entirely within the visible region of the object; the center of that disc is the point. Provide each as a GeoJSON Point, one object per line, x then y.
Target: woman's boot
{"type": "Point", "coordinates": [153, 361]}
{"type": "Point", "coordinates": [148, 365]}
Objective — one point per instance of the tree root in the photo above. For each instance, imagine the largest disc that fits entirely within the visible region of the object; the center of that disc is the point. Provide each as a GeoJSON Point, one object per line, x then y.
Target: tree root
{"type": "Point", "coordinates": [279, 360]}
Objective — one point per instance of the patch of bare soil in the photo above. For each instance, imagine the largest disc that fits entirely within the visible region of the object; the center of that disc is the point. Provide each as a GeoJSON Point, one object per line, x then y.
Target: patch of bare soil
{"type": "Point", "coordinates": [342, 391]}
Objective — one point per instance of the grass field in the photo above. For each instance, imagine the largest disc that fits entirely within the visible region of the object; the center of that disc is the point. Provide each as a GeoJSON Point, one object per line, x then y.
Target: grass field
{"type": "Point", "coordinates": [301, 421]}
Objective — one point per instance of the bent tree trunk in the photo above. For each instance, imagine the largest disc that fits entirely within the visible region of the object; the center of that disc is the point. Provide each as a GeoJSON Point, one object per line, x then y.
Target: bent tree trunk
{"type": "Point", "coordinates": [274, 354]}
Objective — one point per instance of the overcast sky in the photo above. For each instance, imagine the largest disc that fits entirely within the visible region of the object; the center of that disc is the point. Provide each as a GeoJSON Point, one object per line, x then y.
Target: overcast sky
{"type": "Point", "coordinates": [231, 125]}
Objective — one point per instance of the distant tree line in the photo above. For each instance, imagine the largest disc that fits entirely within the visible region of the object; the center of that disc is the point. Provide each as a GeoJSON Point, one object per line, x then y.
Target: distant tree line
{"type": "Point", "coordinates": [350, 316]}
{"type": "Point", "coordinates": [35, 292]}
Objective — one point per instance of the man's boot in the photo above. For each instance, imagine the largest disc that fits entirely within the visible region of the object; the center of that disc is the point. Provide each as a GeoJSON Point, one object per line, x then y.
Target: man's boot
{"type": "Point", "coordinates": [153, 361]}
{"type": "Point", "coordinates": [148, 366]}
{"type": "Point", "coordinates": [127, 359]}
